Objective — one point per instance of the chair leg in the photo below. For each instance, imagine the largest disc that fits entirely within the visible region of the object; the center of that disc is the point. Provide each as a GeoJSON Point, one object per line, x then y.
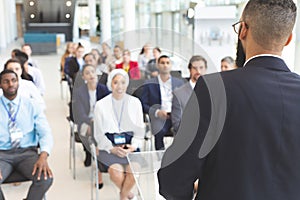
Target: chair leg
{"type": "Point", "coordinates": [61, 90]}
{"type": "Point", "coordinates": [94, 172]}
{"type": "Point", "coordinates": [72, 150]}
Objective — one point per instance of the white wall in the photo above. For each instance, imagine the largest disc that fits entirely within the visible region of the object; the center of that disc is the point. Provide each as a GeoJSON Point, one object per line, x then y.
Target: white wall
{"type": "Point", "coordinates": [8, 31]}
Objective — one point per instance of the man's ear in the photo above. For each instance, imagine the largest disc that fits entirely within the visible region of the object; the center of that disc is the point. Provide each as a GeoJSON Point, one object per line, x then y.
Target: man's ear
{"type": "Point", "coordinates": [243, 31]}
{"type": "Point", "coordinates": [289, 39]}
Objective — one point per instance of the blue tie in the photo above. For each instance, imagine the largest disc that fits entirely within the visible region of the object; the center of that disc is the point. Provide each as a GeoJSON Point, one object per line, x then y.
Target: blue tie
{"type": "Point", "coordinates": [12, 126]}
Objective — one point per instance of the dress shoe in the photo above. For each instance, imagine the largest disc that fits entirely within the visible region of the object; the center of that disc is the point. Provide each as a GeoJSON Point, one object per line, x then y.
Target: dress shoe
{"type": "Point", "coordinates": [88, 159]}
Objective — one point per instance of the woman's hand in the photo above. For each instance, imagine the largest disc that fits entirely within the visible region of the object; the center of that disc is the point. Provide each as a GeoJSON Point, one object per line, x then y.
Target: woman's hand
{"type": "Point", "coordinates": [119, 151]}
{"type": "Point", "coordinates": [129, 148]}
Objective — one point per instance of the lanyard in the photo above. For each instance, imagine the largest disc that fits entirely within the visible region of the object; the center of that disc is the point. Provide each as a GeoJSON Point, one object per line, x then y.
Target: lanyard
{"type": "Point", "coordinates": [12, 118]}
{"type": "Point", "coordinates": [116, 114]}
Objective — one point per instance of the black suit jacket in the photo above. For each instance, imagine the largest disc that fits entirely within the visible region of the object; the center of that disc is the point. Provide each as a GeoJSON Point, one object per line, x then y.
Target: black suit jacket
{"type": "Point", "coordinates": [254, 153]}
{"type": "Point", "coordinates": [151, 100]}
{"type": "Point", "coordinates": [73, 67]}
{"type": "Point", "coordinates": [81, 102]}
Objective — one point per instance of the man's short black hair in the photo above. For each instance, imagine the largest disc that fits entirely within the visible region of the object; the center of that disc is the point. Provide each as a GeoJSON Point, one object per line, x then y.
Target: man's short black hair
{"type": "Point", "coordinates": [23, 57]}
{"type": "Point", "coordinates": [162, 56]}
{"type": "Point", "coordinates": [7, 71]}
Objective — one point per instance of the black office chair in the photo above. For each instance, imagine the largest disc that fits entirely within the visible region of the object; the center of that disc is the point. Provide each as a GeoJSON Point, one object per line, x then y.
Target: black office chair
{"type": "Point", "coordinates": [135, 87]}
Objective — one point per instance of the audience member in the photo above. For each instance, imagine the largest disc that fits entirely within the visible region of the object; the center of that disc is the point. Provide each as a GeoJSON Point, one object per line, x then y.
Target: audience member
{"type": "Point", "coordinates": [23, 128]}
{"type": "Point", "coordinates": [13, 52]}
{"type": "Point", "coordinates": [76, 63]}
{"type": "Point", "coordinates": [69, 52]}
{"type": "Point", "coordinates": [227, 63]}
{"type": "Point", "coordinates": [26, 48]}
{"type": "Point", "coordinates": [23, 58]}
{"type": "Point", "coordinates": [106, 55]}
{"type": "Point", "coordinates": [119, 130]}
{"type": "Point", "coordinates": [100, 66]}
{"type": "Point", "coordinates": [35, 73]}
{"type": "Point", "coordinates": [151, 69]}
{"type": "Point", "coordinates": [26, 88]}
{"type": "Point", "coordinates": [117, 58]}
{"type": "Point", "coordinates": [84, 101]}
{"type": "Point", "coordinates": [157, 100]}
{"type": "Point", "coordinates": [90, 59]}
{"type": "Point", "coordinates": [246, 143]}
{"type": "Point", "coordinates": [131, 67]}
{"type": "Point", "coordinates": [197, 67]}
{"type": "Point", "coordinates": [144, 57]}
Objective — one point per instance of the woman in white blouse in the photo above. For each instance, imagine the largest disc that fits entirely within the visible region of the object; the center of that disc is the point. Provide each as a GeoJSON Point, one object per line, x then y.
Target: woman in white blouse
{"type": "Point", "coordinates": [118, 130]}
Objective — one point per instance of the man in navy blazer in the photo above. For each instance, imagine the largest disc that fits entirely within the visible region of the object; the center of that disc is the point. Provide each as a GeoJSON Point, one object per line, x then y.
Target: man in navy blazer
{"type": "Point", "coordinates": [240, 131]}
{"type": "Point", "coordinates": [157, 100]}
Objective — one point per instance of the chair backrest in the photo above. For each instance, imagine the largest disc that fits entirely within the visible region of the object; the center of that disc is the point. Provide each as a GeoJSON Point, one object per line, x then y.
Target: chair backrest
{"type": "Point", "coordinates": [135, 87]}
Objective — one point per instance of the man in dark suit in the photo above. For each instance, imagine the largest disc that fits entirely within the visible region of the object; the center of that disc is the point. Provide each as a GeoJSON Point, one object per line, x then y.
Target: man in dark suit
{"type": "Point", "coordinates": [197, 67]}
{"type": "Point", "coordinates": [157, 100]}
{"type": "Point", "coordinates": [240, 131]}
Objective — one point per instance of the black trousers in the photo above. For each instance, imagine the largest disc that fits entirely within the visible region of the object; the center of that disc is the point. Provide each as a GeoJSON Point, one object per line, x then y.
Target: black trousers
{"type": "Point", "coordinates": [159, 137]}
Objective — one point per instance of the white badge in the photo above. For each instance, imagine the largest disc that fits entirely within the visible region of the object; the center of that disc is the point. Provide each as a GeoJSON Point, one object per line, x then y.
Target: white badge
{"type": "Point", "coordinates": [119, 139]}
{"type": "Point", "coordinates": [16, 134]}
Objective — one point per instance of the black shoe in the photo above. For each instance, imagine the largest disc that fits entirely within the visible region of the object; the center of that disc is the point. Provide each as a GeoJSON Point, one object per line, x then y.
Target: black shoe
{"type": "Point", "coordinates": [88, 159]}
{"type": "Point", "coordinates": [100, 185]}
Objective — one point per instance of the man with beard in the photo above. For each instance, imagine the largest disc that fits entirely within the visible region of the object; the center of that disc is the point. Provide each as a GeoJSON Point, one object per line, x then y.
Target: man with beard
{"type": "Point", "coordinates": [197, 67]}
{"type": "Point", "coordinates": [23, 126]}
{"type": "Point", "coordinates": [243, 143]}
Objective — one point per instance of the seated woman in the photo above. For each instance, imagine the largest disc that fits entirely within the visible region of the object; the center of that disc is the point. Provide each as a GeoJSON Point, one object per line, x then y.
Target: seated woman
{"type": "Point", "coordinates": [119, 130]}
{"type": "Point", "coordinates": [84, 100]}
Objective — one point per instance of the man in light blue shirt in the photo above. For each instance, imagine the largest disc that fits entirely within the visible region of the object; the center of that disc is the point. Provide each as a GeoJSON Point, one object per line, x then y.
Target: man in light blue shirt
{"type": "Point", "coordinates": [23, 126]}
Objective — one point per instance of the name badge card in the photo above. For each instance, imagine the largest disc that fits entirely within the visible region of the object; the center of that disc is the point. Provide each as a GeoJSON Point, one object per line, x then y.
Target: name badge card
{"type": "Point", "coordinates": [119, 139]}
{"type": "Point", "coordinates": [16, 135]}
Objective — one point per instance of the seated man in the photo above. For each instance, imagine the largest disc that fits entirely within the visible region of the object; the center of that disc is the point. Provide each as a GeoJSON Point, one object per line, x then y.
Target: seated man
{"type": "Point", "coordinates": [23, 126]}
{"type": "Point", "coordinates": [157, 100]}
{"type": "Point", "coordinates": [197, 67]}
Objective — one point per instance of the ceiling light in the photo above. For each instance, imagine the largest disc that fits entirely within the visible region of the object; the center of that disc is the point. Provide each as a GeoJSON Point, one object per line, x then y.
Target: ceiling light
{"type": "Point", "coordinates": [68, 3]}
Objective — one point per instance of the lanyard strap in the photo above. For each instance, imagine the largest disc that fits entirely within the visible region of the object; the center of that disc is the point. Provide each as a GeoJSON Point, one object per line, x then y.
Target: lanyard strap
{"type": "Point", "coordinates": [116, 113]}
{"type": "Point", "coordinates": [12, 118]}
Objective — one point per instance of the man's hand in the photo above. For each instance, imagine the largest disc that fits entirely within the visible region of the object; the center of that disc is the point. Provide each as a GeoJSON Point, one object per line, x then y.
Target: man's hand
{"type": "Point", "coordinates": [41, 166]}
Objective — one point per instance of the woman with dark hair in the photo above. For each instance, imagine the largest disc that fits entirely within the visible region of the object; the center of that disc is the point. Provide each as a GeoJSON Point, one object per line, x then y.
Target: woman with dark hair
{"type": "Point", "coordinates": [151, 69]}
{"type": "Point", "coordinates": [144, 57]}
{"type": "Point", "coordinates": [23, 58]}
{"type": "Point", "coordinates": [84, 100]}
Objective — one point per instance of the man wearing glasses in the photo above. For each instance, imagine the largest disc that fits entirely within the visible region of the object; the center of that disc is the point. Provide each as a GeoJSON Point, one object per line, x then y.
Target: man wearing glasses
{"type": "Point", "coordinates": [249, 147]}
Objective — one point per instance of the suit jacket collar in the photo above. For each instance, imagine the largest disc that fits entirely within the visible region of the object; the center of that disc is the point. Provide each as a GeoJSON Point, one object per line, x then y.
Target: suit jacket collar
{"type": "Point", "coordinates": [268, 62]}
{"type": "Point", "coordinates": [172, 80]}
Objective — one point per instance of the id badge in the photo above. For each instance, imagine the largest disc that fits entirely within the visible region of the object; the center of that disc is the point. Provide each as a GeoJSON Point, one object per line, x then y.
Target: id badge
{"type": "Point", "coordinates": [16, 134]}
{"type": "Point", "coordinates": [119, 139]}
